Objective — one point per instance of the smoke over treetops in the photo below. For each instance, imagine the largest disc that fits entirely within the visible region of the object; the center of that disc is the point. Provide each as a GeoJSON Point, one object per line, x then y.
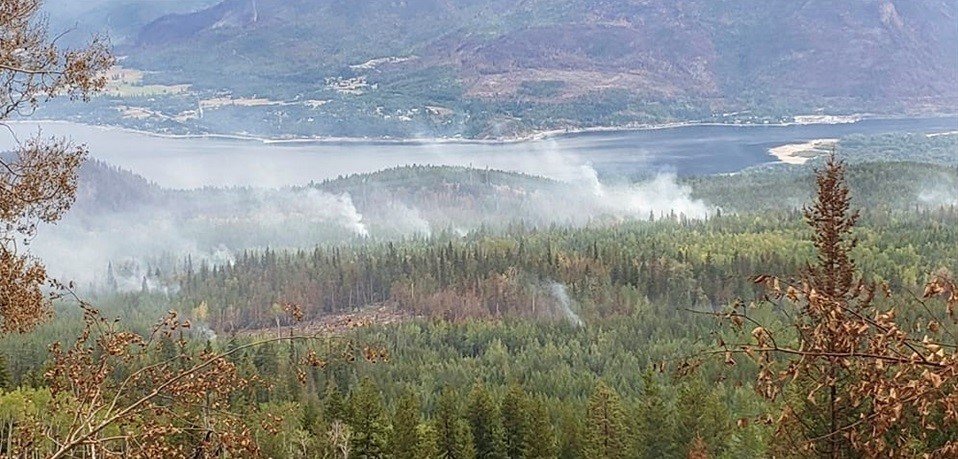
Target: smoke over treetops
{"type": "Point", "coordinates": [121, 218]}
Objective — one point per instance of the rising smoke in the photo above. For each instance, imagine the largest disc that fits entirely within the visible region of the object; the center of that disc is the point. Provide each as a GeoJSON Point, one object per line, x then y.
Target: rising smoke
{"type": "Point", "coordinates": [214, 224]}
{"type": "Point", "coordinates": [561, 295]}
{"type": "Point", "coordinates": [211, 226]}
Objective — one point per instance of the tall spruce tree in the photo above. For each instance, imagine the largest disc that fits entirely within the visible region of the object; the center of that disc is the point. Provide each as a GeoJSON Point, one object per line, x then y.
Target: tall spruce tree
{"type": "Point", "coordinates": [427, 442]}
{"type": "Point", "coordinates": [607, 435]}
{"type": "Point", "coordinates": [515, 422]}
{"type": "Point", "coordinates": [334, 409]}
{"type": "Point", "coordinates": [404, 443]}
{"type": "Point", "coordinates": [702, 420]}
{"type": "Point", "coordinates": [455, 439]}
{"type": "Point", "coordinates": [486, 424]}
{"type": "Point", "coordinates": [370, 426]}
{"type": "Point", "coordinates": [571, 437]}
{"type": "Point", "coordinates": [656, 421]}
{"type": "Point", "coordinates": [541, 439]}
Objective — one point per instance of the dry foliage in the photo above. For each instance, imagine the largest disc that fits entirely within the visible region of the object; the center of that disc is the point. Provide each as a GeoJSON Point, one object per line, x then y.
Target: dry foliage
{"type": "Point", "coordinates": [122, 402]}
{"type": "Point", "coordinates": [117, 393]}
{"type": "Point", "coordinates": [854, 377]}
{"type": "Point", "coordinates": [38, 182]}
{"type": "Point", "coordinates": [699, 449]}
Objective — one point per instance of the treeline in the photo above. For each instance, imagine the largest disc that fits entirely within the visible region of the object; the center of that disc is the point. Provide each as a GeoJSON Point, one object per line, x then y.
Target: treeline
{"type": "Point", "coordinates": [875, 186]}
{"type": "Point", "coordinates": [482, 421]}
{"type": "Point", "coordinates": [528, 272]}
{"type": "Point", "coordinates": [540, 388]}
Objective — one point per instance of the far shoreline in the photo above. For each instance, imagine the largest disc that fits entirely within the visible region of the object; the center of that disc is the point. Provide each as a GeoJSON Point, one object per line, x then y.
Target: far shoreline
{"type": "Point", "coordinates": [535, 136]}
{"type": "Point", "coordinates": [530, 137]}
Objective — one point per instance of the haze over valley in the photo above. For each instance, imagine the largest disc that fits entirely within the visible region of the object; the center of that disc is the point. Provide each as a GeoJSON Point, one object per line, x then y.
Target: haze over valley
{"type": "Point", "coordinates": [424, 229]}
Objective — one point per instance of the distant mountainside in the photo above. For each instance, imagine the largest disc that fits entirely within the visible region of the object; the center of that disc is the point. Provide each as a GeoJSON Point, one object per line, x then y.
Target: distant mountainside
{"type": "Point", "coordinates": [121, 20]}
{"type": "Point", "coordinates": [492, 68]}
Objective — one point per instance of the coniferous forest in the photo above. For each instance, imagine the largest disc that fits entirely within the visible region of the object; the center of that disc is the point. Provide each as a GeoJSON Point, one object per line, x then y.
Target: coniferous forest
{"type": "Point", "coordinates": [602, 340]}
{"type": "Point", "coordinates": [799, 308]}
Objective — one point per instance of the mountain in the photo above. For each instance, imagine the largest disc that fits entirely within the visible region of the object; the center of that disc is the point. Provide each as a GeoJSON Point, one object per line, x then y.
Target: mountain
{"type": "Point", "coordinates": [121, 20]}
{"type": "Point", "coordinates": [485, 69]}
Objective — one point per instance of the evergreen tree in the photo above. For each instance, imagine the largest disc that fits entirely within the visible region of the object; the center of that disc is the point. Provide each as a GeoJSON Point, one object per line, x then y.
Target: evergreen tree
{"type": "Point", "coordinates": [656, 421]}
{"type": "Point", "coordinates": [606, 434]}
{"type": "Point", "coordinates": [486, 424]}
{"type": "Point", "coordinates": [515, 422]}
{"type": "Point", "coordinates": [427, 441]}
{"type": "Point", "coordinates": [541, 440]}
{"type": "Point", "coordinates": [5, 381]}
{"type": "Point", "coordinates": [311, 419]}
{"type": "Point", "coordinates": [702, 420]}
{"type": "Point", "coordinates": [571, 438]}
{"type": "Point", "coordinates": [370, 426]}
{"type": "Point", "coordinates": [333, 407]}
{"type": "Point", "coordinates": [455, 439]}
{"type": "Point", "coordinates": [406, 436]}
{"type": "Point", "coordinates": [266, 359]}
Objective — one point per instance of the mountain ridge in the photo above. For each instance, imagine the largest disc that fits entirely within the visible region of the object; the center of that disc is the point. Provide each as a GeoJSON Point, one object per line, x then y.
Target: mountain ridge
{"type": "Point", "coordinates": [505, 66]}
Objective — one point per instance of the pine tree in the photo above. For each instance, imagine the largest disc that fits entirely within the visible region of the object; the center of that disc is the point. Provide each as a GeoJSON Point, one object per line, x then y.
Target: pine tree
{"type": "Point", "coordinates": [455, 439]}
{"type": "Point", "coordinates": [515, 422]}
{"type": "Point", "coordinates": [702, 419]}
{"type": "Point", "coordinates": [656, 423]}
{"type": "Point", "coordinates": [486, 424]}
{"type": "Point", "coordinates": [427, 441]}
{"type": "Point", "coordinates": [333, 407]}
{"type": "Point", "coordinates": [266, 359]}
{"type": "Point", "coordinates": [5, 380]}
{"type": "Point", "coordinates": [541, 438]}
{"type": "Point", "coordinates": [606, 433]}
{"type": "Point", "coordinates": [571, 437]}
{"type": "Point", "coordinates": [370, 427]}
{"type": "Point", "coordinates": [406, 425]}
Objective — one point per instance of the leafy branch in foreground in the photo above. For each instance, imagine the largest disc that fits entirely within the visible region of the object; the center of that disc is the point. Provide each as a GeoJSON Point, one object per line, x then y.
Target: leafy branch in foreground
{"type": "Point", "coordinates": [37, 182]}
{"type": "Point", "coordinates": [854, 379]}
{"type": "Point", "coordinates": [116, 393]}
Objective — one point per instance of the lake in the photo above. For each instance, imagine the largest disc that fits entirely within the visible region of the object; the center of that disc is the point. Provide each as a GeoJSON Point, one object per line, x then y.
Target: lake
{"type": "Point", "coordinates": [688, 150]}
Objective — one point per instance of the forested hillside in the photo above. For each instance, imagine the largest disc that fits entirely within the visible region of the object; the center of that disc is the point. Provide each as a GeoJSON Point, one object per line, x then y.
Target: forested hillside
{"type": "Point", "coordinates": [517, 339]}
{"type": "Point", "coordinates": [425, 68]}
{"type": "Point", "coordinates": [803, 308]}
{"type": "Point", "coordinates": [659, 50]}
{"type": "Point", "coordinates": [122, 227]}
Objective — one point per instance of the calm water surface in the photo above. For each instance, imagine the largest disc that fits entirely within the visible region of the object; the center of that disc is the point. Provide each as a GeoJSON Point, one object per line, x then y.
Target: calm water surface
{"type": "Point", "coordinates": [689, 150]}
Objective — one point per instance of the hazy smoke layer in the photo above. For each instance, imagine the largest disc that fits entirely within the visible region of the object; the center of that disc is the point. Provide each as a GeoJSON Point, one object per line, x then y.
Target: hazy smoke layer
{"type": "Point", "coordinates": [209, 225]}
{"type": "Point", "coordinates": [939, 191]}
{"type": "Point", "coordinates": [213, 224]}
{"type": "Point", "coordinates": [660, 195]}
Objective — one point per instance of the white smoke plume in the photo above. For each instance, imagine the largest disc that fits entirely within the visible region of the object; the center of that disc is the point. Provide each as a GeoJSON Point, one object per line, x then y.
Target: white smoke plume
{"type": "Point", "coordinates": [559, 292]}
{"type": "Point", "coordinates": [939, 191]}
{"type": "Point", "coordinates": [211, 228]}
{"type": "Point", "coordinates": [405, 220]}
